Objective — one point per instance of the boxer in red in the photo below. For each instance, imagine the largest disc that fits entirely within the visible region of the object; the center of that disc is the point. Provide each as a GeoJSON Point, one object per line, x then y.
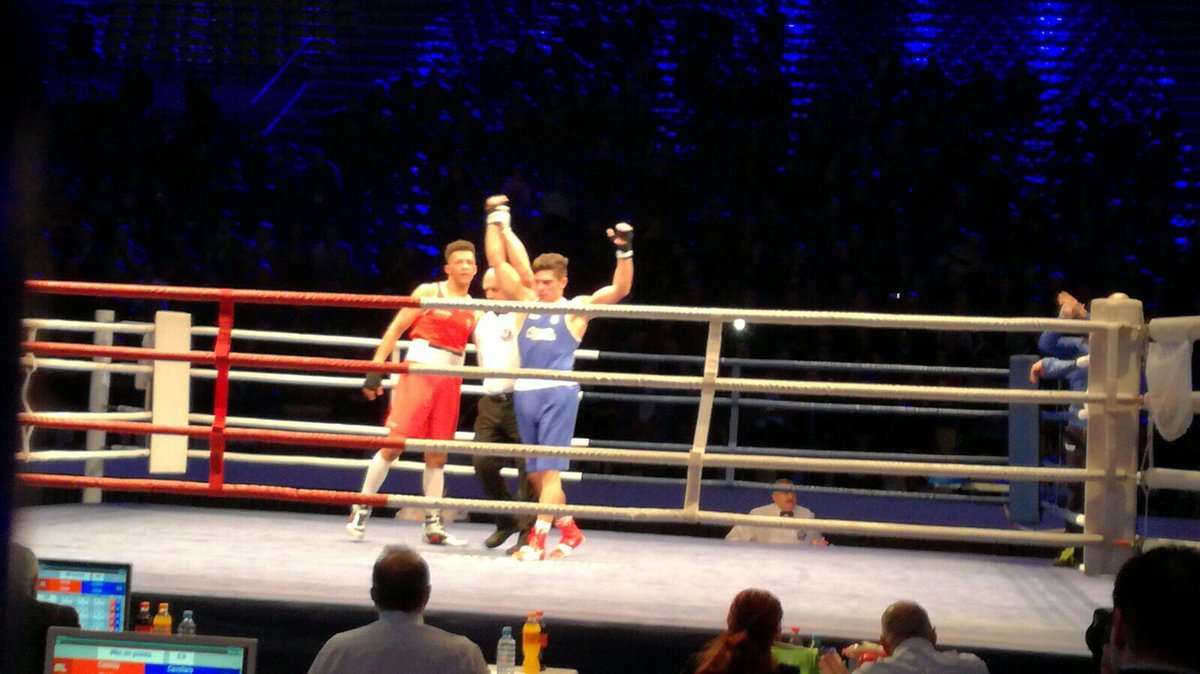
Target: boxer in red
{"type": "Point", "coordinates": [424, 406]}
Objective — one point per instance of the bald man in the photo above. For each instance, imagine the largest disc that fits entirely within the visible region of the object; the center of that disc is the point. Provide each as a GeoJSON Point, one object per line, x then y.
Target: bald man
{"type": "Point", "coordinates": [910, 642]}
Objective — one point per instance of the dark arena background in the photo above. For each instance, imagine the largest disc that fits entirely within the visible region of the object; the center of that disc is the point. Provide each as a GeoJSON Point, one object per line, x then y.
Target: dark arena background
{"type": "Point", "coordinates": [963, 158]}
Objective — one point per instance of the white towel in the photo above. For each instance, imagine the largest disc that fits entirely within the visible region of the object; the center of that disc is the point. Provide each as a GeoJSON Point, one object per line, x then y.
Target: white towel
{"type": "Point", "coordinates": [1169, 386]}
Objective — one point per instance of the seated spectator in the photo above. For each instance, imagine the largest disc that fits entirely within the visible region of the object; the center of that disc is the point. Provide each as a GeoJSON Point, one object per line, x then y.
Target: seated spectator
{"type": "Point", "coordinates": [1154, 619]}
{"type": "Point", "coordinates": [30, 618]}
{"type": "Point", "coordinates": [744, 647]}
{"type": "Point", "coordinates": [910, 642]}
{"type": "Point", "coordinates": [783, 504]}
{"type": "Point", "coordinates": [400, 640]}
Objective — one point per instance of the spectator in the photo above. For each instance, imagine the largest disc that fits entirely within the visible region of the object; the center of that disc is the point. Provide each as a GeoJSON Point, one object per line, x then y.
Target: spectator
{"type": "Point", "coordinates": [1155, 620]}
{"type": "Point", "coordinates": [31, 618]}
{"type": "Point", "coordinates": [910, 642]}
{"type": "Point", "coordinates": [783, 504]}
{"type": "Point", "coordinates": [744, 647]}
{"type": "Point", "coordinates": [400, 589]}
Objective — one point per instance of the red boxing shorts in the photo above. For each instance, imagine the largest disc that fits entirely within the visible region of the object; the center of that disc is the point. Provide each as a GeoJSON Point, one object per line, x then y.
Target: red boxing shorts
{"type": "Point", "coordinates": [425, 406]}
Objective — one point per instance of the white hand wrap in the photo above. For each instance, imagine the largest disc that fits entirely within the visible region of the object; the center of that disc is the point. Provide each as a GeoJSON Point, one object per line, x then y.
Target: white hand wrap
{"type": "Point", "coordinates": [500, 216]}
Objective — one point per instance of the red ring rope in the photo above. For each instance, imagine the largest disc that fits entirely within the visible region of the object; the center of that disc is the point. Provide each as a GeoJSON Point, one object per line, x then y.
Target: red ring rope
{"type": "Point", "coordinates": [236, 434]}
{"type": "Point", "coordinates": [203, 489]}
{"type": "Point", "coordinates": [134, 291]}
{"type": "Point", "coordinates": [269, 361]}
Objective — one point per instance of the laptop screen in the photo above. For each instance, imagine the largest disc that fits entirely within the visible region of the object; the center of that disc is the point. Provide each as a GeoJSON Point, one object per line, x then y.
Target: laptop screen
{"type": "Point", "coordinates": [73, 651]}
{"type": "Point", "coordinates": [98, 591]}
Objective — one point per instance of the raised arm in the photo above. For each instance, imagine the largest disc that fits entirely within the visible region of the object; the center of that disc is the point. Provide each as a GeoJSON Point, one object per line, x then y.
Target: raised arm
{"type": "Point", "coordinates": [622, 239]}
{"type": "Point", "coordinates": [497, 248]}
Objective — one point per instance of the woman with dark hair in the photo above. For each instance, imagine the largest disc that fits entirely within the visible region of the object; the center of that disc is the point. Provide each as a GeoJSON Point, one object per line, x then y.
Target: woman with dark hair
{"type": "Point", "coordinates": [745, 645]}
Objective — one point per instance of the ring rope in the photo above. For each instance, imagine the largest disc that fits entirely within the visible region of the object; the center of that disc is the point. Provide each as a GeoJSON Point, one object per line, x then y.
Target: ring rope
{"type": "Point", "coordinates": [380, 431]}
{"type": "Point", "coordinates": [59, 324]}
{"type": "Point", "coordinates": [355, 383]}
{"type": "Point", "coordinates": [827, 365]}
{"type": "Point", "coordinates": [846, 319]}
{"type": "Point", "coordinates": [660, 458]}
{"type": "Point", "coordinates": [771, 316]}
{"type": "Point", "coordinates": [580, 354]}
{"type": "Point", "coordinates": [65, 456]}
{"type": "Point", "coordinates": [879, 529]}
{"type": "Point", "coordinates": [826, 389]}
{"type": "Point", "coordinates": [708, 384]}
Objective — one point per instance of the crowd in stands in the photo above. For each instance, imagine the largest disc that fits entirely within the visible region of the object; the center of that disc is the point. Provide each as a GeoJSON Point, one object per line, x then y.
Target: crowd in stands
{"type": "Point", "coordinates": [906, 192]}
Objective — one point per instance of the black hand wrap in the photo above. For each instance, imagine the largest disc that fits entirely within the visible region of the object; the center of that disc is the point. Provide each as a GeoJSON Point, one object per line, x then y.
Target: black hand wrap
{"type": "Point", "coordinates": [624, 232]}
{"type": "Point", "coordinates": [373, 381]}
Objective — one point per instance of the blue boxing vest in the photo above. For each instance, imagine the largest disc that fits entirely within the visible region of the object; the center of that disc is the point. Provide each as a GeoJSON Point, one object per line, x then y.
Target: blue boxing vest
{"type": "Point", "coordinates": [545, 343]}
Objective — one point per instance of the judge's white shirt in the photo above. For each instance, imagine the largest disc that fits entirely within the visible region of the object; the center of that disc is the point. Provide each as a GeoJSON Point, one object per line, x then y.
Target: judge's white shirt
{"type": "Point", "coordinates": [743, 532]}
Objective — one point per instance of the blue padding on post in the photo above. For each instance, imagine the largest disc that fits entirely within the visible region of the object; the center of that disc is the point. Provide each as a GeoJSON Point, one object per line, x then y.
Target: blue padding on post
{"type": "Point", "coordinates": [1023, 504]}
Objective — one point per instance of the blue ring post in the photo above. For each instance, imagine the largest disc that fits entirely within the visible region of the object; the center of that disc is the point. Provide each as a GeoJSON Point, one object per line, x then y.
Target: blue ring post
{"type": "Point", "coordinates": [1023, 505]}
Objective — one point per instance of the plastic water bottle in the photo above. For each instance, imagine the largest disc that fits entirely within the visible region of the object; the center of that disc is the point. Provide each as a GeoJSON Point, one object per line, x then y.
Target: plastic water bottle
{"type": "Point", "coordinates": [187, 626]}
{"type": "Point", "coordinates": [506, 652]}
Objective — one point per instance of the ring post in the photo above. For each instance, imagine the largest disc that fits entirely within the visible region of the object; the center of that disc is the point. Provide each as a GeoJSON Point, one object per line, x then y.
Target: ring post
{"type": "Point", "coordinates": [734, 399]}
{"type": "Point", "coordinates": [170, 392]}
{"type": "Point", "coordinates": [712, 360]}
{"type": "Point", "coordinates": [98, 390]}
{"type": "Point", "coordinates": [216, 440]}
{"type": "Point", "coordinates": [1114, 368]}
{"type": "Point", "coordinates": [1023, 502]}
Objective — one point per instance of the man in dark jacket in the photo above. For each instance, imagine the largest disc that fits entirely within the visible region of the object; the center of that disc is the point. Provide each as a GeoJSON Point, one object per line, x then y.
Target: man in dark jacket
{"type": "Point", "coordinates": [30, 617]}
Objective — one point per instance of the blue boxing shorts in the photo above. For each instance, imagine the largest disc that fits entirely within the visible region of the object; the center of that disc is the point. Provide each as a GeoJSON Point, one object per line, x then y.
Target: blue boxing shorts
{"type": "Point", "coordinates": [546, 416]}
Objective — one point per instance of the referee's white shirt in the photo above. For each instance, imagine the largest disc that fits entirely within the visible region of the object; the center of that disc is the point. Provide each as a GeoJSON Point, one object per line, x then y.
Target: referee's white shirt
{"type": "Point", "coordinates": [496, 348]}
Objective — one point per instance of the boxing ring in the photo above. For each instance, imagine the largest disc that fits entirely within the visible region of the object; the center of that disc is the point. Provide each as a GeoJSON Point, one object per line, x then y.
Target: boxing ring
{"type": "Point", "coordinates": [656, 581]}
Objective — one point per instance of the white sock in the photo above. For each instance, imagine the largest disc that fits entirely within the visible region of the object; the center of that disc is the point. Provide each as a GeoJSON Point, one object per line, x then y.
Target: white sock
{"type": "Point", "coordinates": [433, 481]}
{"type": "Point", "coordinates": [377, 471]}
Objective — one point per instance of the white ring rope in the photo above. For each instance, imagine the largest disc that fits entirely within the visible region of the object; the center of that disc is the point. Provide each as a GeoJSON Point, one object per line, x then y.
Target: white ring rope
{"type": "Point", "coordinates": [708, 385]}
{"type": "Point", "coordinates": [676, 382]}
{"type": "Point", "coordinates": [261, 377]}
{"type": "Point", "coordinates": [848, 319]}
{"type": "Point", "coordinates": [811, 388]}
{"type": "Point", "coordinates": [87, 326]}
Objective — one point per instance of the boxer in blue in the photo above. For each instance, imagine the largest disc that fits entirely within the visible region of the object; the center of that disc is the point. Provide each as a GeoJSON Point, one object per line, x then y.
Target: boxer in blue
{"type": "Point", "coordinates": [546, 409]}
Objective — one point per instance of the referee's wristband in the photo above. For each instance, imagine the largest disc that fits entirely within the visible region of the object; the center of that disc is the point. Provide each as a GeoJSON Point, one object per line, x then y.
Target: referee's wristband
{"type": "Point", "coordinates": [624, 254]}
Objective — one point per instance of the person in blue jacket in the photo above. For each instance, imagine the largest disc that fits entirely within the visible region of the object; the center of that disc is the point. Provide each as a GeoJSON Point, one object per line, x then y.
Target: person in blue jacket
{"type": "Point", "coordinates": [1061, 362]}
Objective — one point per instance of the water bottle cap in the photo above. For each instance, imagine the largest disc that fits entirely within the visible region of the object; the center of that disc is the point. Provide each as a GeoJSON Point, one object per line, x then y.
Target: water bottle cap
{"type": "Point", "coordinates": [187, 613]}
{"type": "Point", "coordinates": [506, 632]}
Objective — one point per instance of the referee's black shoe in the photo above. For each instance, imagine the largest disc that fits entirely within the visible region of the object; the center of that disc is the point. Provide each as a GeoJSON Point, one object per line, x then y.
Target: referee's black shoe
{"type": "Point", "coordinates": [500, 535]}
